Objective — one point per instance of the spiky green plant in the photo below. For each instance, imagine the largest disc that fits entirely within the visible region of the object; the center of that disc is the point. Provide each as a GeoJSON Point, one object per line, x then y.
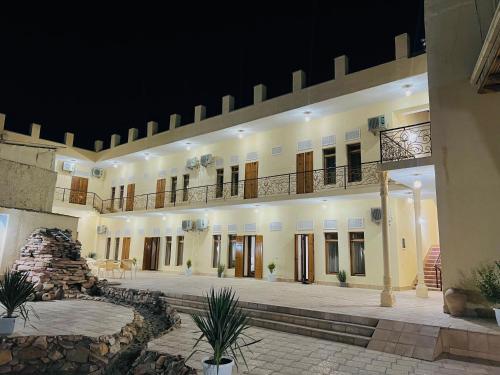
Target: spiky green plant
{"type": "Point", "coordinates": [488, 282]}
{"type": "Point", "coordinates": [188, 263]}
{"type": "Point", "coordinates": [220, 269]}
{"type": "Point", "coordinates": [222, 326]}
{"type": "Point", "coordinates": [342, 276]}
{"type": "Point", "coordinates": [271, 267]}
{"type": "Point", "coordinates": [15, 292]}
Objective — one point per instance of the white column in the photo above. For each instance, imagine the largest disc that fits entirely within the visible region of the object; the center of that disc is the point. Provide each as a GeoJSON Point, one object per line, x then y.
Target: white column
{"type": "Point", "coordinates": [421, 290]}
{"type": "Point", "coordinates": [387, 296]}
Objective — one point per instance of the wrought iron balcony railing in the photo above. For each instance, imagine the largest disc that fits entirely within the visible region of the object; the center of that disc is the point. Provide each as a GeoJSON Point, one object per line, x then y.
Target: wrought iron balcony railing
{"type": "Point", "coordinates": [83, 198]}
{"type": "Point", "coordinates": [407, 142]}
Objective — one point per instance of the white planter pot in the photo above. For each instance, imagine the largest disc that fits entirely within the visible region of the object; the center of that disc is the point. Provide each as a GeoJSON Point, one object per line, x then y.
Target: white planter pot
{"type": "Point", "coordinates": [271, 277]}
{"type": "Point", "coordinates": [189, 272]}
{"type": "Point", "coordinates": [226, 369]}
{"type": "Point", "coordinates": [497, 314]}
{"type": "Point", "coordinates": [221, 276]}
{"type": "Point", "coordinates": [7, 325]}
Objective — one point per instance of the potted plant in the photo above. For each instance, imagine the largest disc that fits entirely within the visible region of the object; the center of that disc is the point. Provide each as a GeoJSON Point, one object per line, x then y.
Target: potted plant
{"type": "Point", "coordinates": [271, 276]}
{"type": "Point", "coordinates": [488, 283]}
{"type": "Point", "coordinates": [342, 277]}
{"type": "Point", "coordinates": [222, 326]}
{"type": "Point", "coordinates": [15, 292]}
{"type": "Point", "coordinates": [189, 271]}
{"type": "Point", "coordinates": [220, 270]}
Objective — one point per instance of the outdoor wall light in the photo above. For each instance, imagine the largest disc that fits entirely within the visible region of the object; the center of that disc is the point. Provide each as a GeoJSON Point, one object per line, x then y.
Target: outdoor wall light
{"type": "Point", "coordinates": [417, 184]}
{"type": "Point", "coordinates": [146, 156]}
{"type": "Point", "coordinates": [240, 133]}
{"type": "Point", "coordinates": [307, 115]}
{"type": "Point", "coordinates": [115, 164]}
{"type": "Point", "coordinates": [188, 146]}
{"type": "Point", "coordinates": [407, 90]}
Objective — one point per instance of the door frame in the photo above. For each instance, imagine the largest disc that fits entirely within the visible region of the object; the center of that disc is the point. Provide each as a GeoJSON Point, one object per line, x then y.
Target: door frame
{"type": "Point", "coordinates": [242, 251]}
{"type": "Point", "coordinates": [310, 257]}
{"type": "Point", "coordinates": [147, 258]}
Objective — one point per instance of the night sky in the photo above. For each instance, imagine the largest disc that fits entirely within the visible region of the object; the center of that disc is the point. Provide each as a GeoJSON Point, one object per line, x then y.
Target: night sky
{"type": "Point", "coordinates": [100, 72]}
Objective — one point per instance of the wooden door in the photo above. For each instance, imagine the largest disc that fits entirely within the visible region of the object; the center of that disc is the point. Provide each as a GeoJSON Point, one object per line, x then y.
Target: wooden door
{"type": "Point", "coordinates": [296, 262]}
{"type": "Point", "coordinates": [310, 256]}
{"type": "Point", "coordinates": [304, 167]}
{"type": "Point", "coordinates": [78, 193]}
{"type": "Point", "coordinates": [155, 254]}
{"type": "Point", "coordinates": [259, 250]}
{"type": "Point", "coordinates": [130, 197]}
{"type": "Point", "coordinates": [160, 192]}
{"type": "Point", "coordinates": [146, 258]}
{"type": "Point", "coordinates": [251, 182]}
{"type": "Point", "coordinates": [126, 248]}
{"type": "Point", "coordinates": [239, 263]}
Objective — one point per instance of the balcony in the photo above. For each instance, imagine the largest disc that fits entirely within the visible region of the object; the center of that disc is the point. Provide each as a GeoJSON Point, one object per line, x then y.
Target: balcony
{"type": "Point", "coordinates": [82, 198]}
{"type": "Point", "coordinates": [407, 142]}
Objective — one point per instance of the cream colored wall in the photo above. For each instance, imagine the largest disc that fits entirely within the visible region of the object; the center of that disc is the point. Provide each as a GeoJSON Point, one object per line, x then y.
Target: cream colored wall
{"type": "Point", "coordinates": [95, 185]}
{"type": "Point", "coordinates": [145, 173]}
{"type": "Point", "coordinates": [21, 223]}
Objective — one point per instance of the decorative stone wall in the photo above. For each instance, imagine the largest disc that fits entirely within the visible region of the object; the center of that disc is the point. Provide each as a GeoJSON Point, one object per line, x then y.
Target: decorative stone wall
{"type": "Point", "coordinates": [53, 261]}
{"type": "Point", "coordinates": [72, 354]}
{"type": "Point", "coordinates": [150, 362]}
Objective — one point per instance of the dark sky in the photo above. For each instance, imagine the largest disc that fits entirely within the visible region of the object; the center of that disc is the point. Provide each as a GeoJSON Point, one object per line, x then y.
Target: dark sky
{"type": "Point", "coordinates": [97, 72]}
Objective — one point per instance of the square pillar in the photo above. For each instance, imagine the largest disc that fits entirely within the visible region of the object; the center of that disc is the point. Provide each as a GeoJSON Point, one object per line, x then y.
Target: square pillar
{"type": "Point", "coordinates": [2, 122]}
{"type": "Point", "coordinates": [98, 145]}
{"type": "Point", "coordinates": [133, 134]}
{"type": "Point", "coordinates": [341, 66]}
{"type": "Point", "coordinates": [227, 104]}
{"type": "Point", "coordinates": [402, 45]}
{"type": "Point", "coordinates": [259, 93]}
{"type": "Point", "coordinates": [115, 140]}
{"type": "Point", "coordinates": [35, 131]}
{"type": "Point", "coordinates": [152, 128]}
{"type": "Point", "coordinates": [68, 139]}
{"type": "Point", "coordinates": [299, 80]}
{"type": "Point", "coordinates": [175, 121]}
{"type": "Point", "coordinates": [200, 113]}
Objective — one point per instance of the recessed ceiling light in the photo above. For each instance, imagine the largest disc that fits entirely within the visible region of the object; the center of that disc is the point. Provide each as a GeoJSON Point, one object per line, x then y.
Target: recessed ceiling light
{"type": "Point", "coordinates": [417, 184]}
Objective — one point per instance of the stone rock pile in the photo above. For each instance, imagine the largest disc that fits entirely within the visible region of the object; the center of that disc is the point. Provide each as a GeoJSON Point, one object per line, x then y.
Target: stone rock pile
{"type": "Point", "coordinates": [53, 261]}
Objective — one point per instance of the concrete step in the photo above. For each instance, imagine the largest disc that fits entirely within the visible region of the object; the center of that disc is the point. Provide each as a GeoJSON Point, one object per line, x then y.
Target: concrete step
{"type": "Point", "coordinates": [343, 337]}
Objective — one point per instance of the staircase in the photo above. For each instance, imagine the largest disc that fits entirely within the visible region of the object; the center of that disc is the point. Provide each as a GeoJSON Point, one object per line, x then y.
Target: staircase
{"type": "Point", "coordinates": [431, 261]}
{"type": "Point", "coordinates": [352, 330]}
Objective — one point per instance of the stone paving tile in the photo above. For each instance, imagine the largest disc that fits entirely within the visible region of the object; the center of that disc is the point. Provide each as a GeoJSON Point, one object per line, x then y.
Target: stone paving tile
{"type": "Point", "coordinates": [71, 317]}
{"type": "Point", "coordinates": [314, 356]}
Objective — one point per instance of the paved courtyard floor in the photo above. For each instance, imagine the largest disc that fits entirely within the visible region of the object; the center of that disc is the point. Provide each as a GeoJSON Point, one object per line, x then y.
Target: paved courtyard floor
{"type": "Point", "coordinates": [75, 317]}
{"type": "Point", "coordinates": [352, 301]}
{"type": "Point", "coordinates": [286, 353]}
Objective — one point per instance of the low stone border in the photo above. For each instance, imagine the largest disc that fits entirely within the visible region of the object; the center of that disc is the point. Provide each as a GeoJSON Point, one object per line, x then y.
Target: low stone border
{"type": "Point", "coordinates": [150, 362]}
{"type": "Point", "coordinates": [76, 354]}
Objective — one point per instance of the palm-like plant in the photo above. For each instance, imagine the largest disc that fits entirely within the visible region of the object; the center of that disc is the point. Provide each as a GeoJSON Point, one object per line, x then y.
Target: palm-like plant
{"type": "Point", "coordinates": [223, 327]}
{"type": "Point", "coordinates": [15, 292]}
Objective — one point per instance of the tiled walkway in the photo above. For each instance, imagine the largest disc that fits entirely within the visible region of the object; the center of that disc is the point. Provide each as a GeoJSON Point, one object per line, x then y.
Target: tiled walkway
{"type": "Point", "coordinates": [285, 353]}
{"type": "Point", "coordinates": [352, 301]}
{"type": "Point", "coordinates": [75, 317]}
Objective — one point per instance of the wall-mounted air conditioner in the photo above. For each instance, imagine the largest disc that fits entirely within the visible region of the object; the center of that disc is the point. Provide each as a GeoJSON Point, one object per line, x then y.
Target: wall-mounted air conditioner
{"type": "Point", "coordinates": [192, 163]}
{"type": "Point", "coordinates": [206, 160]}
{"type": "Point", "coordinates": [376, 214]}
{"type": "Point", "coordinates": [201, 224]}
{"type": "Point", "coordinates": [97, 172]}
{"type": "Point", "coordinates": [68, 166]}
{"type": "Point", "coordinates": [102, 229]}
{"type": "Point", "coordinates": [376, 124]}
{"type": "Point", "coordinates": [187, 225]}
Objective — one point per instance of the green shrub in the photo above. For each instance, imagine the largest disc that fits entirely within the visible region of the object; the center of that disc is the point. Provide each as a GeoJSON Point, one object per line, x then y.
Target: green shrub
{"type": "Point", "coordinates": [188, 263]}
{"type": "Point", "coordinates": [220, 269]}
{"type": "Point", "coordinates": [488, 282]}
{"type": "Point", "coordinates": [271, 267]}
{"type": "Point", "coordinates": [342, 276]}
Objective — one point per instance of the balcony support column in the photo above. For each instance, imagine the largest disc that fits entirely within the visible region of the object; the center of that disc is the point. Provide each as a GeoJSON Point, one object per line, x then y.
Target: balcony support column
{"type": "Point", "coordinates": [421, 289]}
{"type": "Point", "coordinates": [387, 298]}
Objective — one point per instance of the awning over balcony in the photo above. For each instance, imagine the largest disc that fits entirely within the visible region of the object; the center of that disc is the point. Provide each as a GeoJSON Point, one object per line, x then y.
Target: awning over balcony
{"type": "Point", "coordinates": [486, 74]}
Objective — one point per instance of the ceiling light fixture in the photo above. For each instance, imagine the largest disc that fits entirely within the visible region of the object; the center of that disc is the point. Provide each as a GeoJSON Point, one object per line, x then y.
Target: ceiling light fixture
{"type": "Point", "coordinates": [417, 184]}
{"type": "Point", "coordinates": [115, 164]}
{"type": "Point", "coordinates": [240, 133]}
{"type": "Point", "coordinates": [146, 155]}
{"type": "Point", "coordinates": [188, 146]}
{"type": "Point", "coordinates": [407, 89]}
{"type": "Point", "coordinates": [307, 115]}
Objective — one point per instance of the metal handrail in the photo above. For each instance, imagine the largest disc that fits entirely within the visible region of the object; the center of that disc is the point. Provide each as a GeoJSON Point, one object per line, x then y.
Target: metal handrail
{"type": "Point", "coordinates": [437, 270]}
{"type": "Point", "coordinates": [405, 142]}
{"type": "Point", "coordinates": [79, 197]}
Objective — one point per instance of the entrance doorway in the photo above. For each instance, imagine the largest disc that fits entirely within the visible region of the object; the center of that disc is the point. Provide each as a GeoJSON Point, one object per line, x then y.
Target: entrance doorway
{"type": "Point", "coordinates": [304, 258]}
{"type": "Point", "coordinates": [151, 253]}
{"type": "Point", "coordinates": [249, 256]}
{"type": "Point", "coordinates": [251, 180]}
{"type": "Point", "coordinates": [78, 192]}
{"type": "Point", "coordinates": [126, 248]}
{"type": "Point", "coordinates": [304, 167]}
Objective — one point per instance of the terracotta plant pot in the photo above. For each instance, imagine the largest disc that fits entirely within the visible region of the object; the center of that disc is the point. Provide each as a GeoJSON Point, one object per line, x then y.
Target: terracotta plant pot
{"type": "Point", "coordinates": [455, 301]}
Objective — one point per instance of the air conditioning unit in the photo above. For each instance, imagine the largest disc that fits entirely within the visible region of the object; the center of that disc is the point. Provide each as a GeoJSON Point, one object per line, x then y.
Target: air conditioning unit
{"type": "Point", "coordinates": [187, 225]}
{"type": "Point", "coordinates": [97, 172]}
{"type": "Point", "coordinates": [206, 160]}
{"type": "Point", "coordinates": [192, 163]}
{"type": "Point", "coordinates": [376, 214]}
{"type": "Point", "coordinates": [68, 166]}
{"type": "Point", "coordinates": [376, 124]}
{"type": "Point", "coordinates": [201, 224]}
{"type": "Point", "coordinates": [102, 229]}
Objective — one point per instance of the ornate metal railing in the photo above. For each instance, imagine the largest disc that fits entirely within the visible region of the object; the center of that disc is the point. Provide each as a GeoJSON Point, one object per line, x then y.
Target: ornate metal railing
{"type": "Point", "coordinates": [407, 142]}
{"type": "Point", "coordinates": [319, 180]}
{"type": "Point", "coordinates": [83, 198]}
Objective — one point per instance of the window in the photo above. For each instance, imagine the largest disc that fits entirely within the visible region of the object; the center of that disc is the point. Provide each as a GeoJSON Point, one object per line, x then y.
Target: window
{"type": "Point", "coordinates": [173, 185]}
{"type": "Point", "coordinates": [168, 250]}
{"type": "Point", "coordinates": [108, 247]}
{"type": "Point", "coordinates": [216, 250]}
{"type": "Point", "coordinates": [113, 194]}
{"type": "Point", "coordinates": [354, 162]}
{"type": "Point", "coordinates": [357, 244]}
{"type": "Point", "coordinates": [117, 248]}
{"type": "Point", "coordinates": [235, 176]}
{"type": "Point", "coordinates": [231, 259]}
{"type": "Point", "coordinates": [122, 192]}
{"type": "Point", "coordinates": [329, 165]}
{"type": "Point", "coordinates": [332, 252]}
{"type": "Point", "coordinates": [219, 183]}
{"type": "Point", "coordinates": [185, 195]}
{"type": "Point", "coordinates": [180, 250]}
